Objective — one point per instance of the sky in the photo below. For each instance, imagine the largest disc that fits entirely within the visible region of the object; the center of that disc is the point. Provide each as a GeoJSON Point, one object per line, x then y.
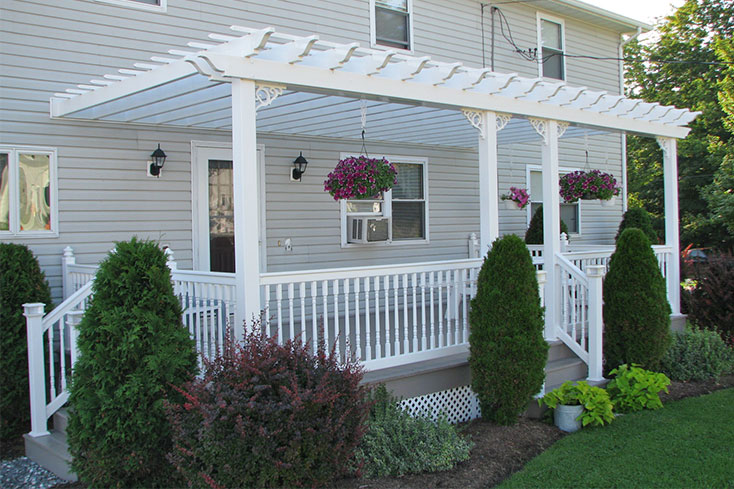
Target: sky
{"type": "Point", "coordinates": [644, 10]}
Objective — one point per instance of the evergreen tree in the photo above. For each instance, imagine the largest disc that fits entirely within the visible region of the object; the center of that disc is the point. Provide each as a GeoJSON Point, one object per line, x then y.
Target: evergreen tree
{"type": "Point", "coordinates": [637, 217]}
{"type": "Point", "coordinates": [534, 234]}
{"type": "Point", "coordinates": [133, 350]}
{"type": "Point", "coordinates": [636, 310]}
{"type": "Point", "coordinates": [507, 350]}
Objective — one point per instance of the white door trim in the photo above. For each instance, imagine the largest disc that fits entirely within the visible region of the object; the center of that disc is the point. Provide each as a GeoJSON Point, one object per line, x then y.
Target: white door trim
{"type": "Point", "coordinates": [202, 151]}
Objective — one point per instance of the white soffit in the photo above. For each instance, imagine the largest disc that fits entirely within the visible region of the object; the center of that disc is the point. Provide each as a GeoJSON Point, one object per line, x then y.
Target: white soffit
{"type": "Point", "coordinates": [412, 99]}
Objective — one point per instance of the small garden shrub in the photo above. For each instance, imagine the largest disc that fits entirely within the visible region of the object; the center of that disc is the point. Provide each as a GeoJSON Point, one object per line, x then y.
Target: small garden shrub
{"type": "Point", "coordinates": [637, 217]}
{"type": "Point", "coordinates": [634, 389]}
{"type": "Point", "coordinates": [133, 349]}
{"type": "Point", "coordinates": [268, 415]}
{"type": "Point", "coordinates": [598, 408]}
{"type": "Point", "coordinates": [636, 310]}
{"type": "Point", "coordinates": [21, 281]}
{"type": "Point", "coordinates": [534, 234]}
{"type": "Point", "coordinates": [397, 444]}
{"type": "Point", "coordinates": [711, 301]}
{"type": "Point", "coordinates": [697, 354]}
{"type": "Point", "coordinates": [507, 349]}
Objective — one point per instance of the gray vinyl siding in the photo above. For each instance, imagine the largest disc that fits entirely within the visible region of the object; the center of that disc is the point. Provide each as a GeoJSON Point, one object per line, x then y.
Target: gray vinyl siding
{"type": "Point", "coordinates": [104, 195]}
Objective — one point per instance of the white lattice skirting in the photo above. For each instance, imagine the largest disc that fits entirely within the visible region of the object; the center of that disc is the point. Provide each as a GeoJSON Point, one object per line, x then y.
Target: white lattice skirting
{"type": "Point", "coordinates": [457, 405]}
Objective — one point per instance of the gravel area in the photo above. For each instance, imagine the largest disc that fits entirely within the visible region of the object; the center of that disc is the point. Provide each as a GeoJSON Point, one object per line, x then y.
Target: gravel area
{"type": "Point", "coordinates": [24, 473]}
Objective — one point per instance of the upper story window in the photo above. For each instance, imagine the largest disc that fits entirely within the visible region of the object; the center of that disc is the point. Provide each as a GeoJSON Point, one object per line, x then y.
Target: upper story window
{"type": "Point", "coordinates": [28, 191]}
{"type": "Point", "coordinates": [154, 5]}
{"type": "Point", "coordinates": [570, 213]}
{"type": "Point", "coordinates": [398, 215]}
{"type": "Point", "coordinates": [551, 48]}
{"type": "Point", "coordinates": [391, 23]}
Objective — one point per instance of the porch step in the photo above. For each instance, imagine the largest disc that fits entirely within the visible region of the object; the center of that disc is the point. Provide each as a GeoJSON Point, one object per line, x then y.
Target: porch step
{"type": "Point", "coordinates": [50, 452]}
{"type": "Point", "coordinates": [557, 350]}
{"type": "Point", "coordinates": [559, 371]}
{"type": "Point", "coordinates": [61, 420]}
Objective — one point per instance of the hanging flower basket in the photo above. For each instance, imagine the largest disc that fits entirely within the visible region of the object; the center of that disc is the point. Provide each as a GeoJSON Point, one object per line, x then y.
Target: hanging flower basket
{"type": "Point", "coordinates": [360, 177]}
{"type": "Point", "coordinates": [518, 198]}
{"type": "Point", "coordinates": [589, 185]}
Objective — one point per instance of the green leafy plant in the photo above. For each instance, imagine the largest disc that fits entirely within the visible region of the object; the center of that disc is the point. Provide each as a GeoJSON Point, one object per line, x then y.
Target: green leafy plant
{"type": "Point", "coordinates": [21, 281]}
{"type": "Point", "coordinates": [268, 415]}
{"type": "Point", "coordinates": [634, 388]}
{"type": "Point", "coordinates": [397, 443]}
{"type": "Point", "coordinates": [637, 217]}
{"type": "Point", "coordinates": [534, 234]}
{"type": "Point", "coordinates": [132, 350]}
{"type": "Point", "coordinates": [636, 310]}
{"type": "Point", "coordinates": [697, 354]}
{"type": "Point", "coordinates": [598, 408]}
{"type": "Point", "coordinates": [507, 349]}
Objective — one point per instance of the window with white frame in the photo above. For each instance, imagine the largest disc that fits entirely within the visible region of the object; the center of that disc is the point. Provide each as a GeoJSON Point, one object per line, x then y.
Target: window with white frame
{"type": "Point", "coordinates": [396, 216]}
{"type": "Point", "coordinates": [27, 191]}
{"type": "Point", "coordinates": [155, 5]}
{"type": "Point", "coordinates": [391, 23]}
{"type": "Point", "coordinates": [569, 212]}
{"type": "Point", "coordinates": [551, 48]}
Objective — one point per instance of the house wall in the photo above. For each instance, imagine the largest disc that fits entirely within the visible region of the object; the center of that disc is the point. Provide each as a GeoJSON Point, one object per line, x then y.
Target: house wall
{"type": "Point", "coordinates": [104, 195]}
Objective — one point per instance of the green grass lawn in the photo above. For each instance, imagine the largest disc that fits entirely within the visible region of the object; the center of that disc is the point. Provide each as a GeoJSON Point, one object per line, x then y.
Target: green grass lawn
{"type": "Point", "coordinates": [687, 444]}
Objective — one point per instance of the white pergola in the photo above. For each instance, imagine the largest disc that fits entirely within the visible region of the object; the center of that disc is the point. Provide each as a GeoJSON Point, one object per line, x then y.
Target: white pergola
{"type": "Point", "coordinates": [261, 80]}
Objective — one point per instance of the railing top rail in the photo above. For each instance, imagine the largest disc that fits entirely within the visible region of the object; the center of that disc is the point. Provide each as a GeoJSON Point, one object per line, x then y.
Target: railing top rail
{"type": "Point", "coordinates": [598, 253]}
{"type": "Point", "coordinates": [69, 304]}
{"type": "Point", "coordinates": [75, 267]}
{"type": "Point", "coordinates": [569, 267]}
{"type": "Point", "coordinates": [272, 278]}
{"type": "Point", "coordinates": [662, 248]}
{"type": "Point", "coordinates": [221, 278]}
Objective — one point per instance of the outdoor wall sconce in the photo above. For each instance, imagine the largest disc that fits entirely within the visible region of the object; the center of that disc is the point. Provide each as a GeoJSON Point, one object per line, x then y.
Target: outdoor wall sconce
{"type": "Point", "coordinates": [158, 158]}
{"type": "Point", "coordinates": [299, 168]}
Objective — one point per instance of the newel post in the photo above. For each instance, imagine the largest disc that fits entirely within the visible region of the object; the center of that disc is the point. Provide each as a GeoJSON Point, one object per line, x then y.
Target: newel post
{"type": "Point", "coordinates": [170, 260]}
{"type": "Point", "coordinates": [541, 286]}
{"type": "Point", "coordinates": [36, 376]}
{"type": "Point", "coordinates": [67, 259]}
{"type": "Point", "coordinates": [596, 321]}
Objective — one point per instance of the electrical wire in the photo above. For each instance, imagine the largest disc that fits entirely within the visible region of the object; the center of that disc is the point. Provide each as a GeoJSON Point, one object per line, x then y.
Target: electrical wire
{"type": "Point", "coordinates": [531, 54]}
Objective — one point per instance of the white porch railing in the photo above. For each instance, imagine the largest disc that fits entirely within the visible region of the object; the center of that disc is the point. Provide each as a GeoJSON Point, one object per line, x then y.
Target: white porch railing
{"type": "Point", "coordinates": [384, 316]}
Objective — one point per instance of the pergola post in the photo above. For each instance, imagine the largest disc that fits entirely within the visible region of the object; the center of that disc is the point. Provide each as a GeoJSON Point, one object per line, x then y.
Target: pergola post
{"type": "Point", "coordinates": [672, 232]}
{"type": "Point", "coordinates": [246, 204]}
{"type": "Point", "coordinates": [550, 131]}
{"type": "Point", "coordinates": [488, 123]}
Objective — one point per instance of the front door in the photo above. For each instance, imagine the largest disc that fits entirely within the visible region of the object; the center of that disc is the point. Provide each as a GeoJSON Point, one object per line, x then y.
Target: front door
{"type": "Point", "coordinates": [213, 207]}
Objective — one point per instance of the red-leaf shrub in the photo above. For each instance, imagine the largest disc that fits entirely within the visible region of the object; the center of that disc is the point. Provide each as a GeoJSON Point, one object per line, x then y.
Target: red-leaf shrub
{"type": "Point", "coordinates": [269, 415]}
{"type": "Point", "coordinates": [710, 303]}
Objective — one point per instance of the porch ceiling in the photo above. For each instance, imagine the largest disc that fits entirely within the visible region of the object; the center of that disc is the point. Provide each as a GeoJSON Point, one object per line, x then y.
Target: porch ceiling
{"type": "Point", "coordinates": [409, 99]}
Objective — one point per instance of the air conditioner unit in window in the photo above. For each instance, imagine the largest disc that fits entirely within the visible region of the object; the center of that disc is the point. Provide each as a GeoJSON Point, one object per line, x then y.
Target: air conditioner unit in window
{"type": "Point", "coordinates": [367, 229]}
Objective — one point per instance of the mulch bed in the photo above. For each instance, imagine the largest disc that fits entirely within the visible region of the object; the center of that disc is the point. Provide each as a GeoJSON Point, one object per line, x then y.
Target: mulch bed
{"type": "Point", "coordinates": [499, 451]}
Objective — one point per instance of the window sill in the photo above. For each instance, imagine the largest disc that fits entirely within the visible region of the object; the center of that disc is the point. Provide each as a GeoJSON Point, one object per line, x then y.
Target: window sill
{"type": "Point", "coordinates": [382, 47]}
{"type": "Point", "coordinates": [29, 234]}
{"type": "Point", "coordinates": [383, 244]}
{"type": "Point", "coordinates": [137, 5]}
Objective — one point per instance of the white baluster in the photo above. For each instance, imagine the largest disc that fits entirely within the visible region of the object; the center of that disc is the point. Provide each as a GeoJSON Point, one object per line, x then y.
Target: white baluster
{"type": "Point", "coordinates": [441, 279]}
{"type": "Point", "coordinates": [414, 277]}
{"type": "Point", "coordinates": [347, 342]}
{"type": "Point", "coordinates": [337, 332]}
{"type": "Point", "coordinates": [279, 307]}
{"type": "Point", "coordinates": [302, 297]}
{"type": "Point", "coordinates": [424, 322]}
{"type": "Point", "coordinates": [396, 315]}
{"type": "Point", "coordinates": [432, 286]}
{"type": "Point", "coordinates": [378, 343]}
{"type": "Point", "coordinates": [314, 325]}
{"type": "Point", "coordinates": [367, 328]}
{"type": "Point", "coordinates": [325, 316]}
{"type": "Point", "coordinates": [406, 339]}
{"type": "Point", "coordinates": [357, 338]}
{"type": "Point", "coordinates": [291, 322]}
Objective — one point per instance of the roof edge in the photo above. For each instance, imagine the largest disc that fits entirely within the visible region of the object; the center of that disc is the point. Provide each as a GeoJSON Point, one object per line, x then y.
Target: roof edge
{"type": "Point", "coordinates": [598, 11]}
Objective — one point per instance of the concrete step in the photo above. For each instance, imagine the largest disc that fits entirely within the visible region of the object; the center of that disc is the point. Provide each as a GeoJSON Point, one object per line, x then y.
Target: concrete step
{"type": "Point", "coordinates": [61, 420]}
{"type": "Point", "coordinates": [559, 371]}
{"type": "Point", "coordinates": [557, 350]}
{"type": "Point", "coordinates": [50, 452]}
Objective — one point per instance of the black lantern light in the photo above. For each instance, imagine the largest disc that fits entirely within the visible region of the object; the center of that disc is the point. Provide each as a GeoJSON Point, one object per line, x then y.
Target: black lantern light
{"type": "Point", "coordinates": [299, 167]}
{"type": "Point", "coordinates": [158, 159]}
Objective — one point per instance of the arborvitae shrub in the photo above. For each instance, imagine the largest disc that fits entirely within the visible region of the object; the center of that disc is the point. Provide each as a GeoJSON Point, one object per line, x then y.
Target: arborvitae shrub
{"type": "Point", "coordinates": [534, 234]}
{"type": "Point", "coordinates": [508, 352]}
{"type": "Point", "coordinates": [636, 309]}
{"type": "Point", "coordinates": [638, 217]}
{"type": "Point", "coordinates": [21, 281]}
{"type": "Point", "coordinates": [268, 415]}
{"type": "Point", "coordinates": [133, 350]}
{"type": "Point", "coordinates": [397, 443]}
{"type": "Point", "coordinates": [696, 355]}
{"type": "Point", "coordinates": [711, 301]}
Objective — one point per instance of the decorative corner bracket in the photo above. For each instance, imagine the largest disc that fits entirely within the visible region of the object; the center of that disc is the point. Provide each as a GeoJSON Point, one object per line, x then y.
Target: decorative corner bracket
{"type": "Point", "coordinates": [476, 120]}
{"type": "Point", "coordinates": [663, 142]}
{"type": "Point", "coordinates": [266, 94]}
{"type": "Point", "coordinates": [541, 127]}
{"type": "Point", "coordinates": [502, 120]}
